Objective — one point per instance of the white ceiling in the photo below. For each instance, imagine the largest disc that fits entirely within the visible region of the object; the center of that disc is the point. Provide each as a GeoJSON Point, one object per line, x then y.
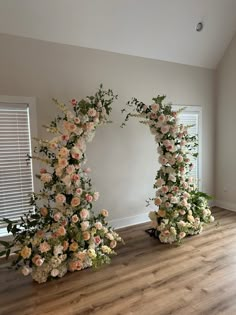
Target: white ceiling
{"type": "Point", "coordinates": [158, 29]}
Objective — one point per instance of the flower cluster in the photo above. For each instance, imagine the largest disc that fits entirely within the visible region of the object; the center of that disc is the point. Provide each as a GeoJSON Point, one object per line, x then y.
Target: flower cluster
{"type": "Point", "coordinates": [182, 209]}
{"type": "Point", "coordinates": [62, 233]}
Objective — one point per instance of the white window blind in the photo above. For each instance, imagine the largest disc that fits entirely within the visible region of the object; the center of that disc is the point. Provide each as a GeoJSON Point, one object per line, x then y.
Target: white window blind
{"type": "Point", "coordinates": [16, 182]}
{"type": "Point", "coordinates": [189, 118]}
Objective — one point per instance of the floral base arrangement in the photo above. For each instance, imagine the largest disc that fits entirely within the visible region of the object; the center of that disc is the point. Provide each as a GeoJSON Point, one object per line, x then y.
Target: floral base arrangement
{"type": "Point", "coordinates": [62, 233]}
{"type": "Point", "coordinates": [182, 209]}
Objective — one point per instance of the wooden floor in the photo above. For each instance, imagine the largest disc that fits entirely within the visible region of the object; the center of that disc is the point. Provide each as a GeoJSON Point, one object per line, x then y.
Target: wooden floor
{"type": "Point", "coordinates": [198, 277]}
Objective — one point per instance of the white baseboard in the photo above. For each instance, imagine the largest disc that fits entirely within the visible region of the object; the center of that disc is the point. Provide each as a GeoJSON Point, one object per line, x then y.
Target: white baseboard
{"type": "Point", "coordinates": [225, 205]}
{"type": "Point", "coordinates": [128, 221]}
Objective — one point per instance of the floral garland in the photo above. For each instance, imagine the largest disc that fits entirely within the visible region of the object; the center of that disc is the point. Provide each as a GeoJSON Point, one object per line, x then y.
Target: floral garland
{"type": "Point", "coordinates": [62, 233]}
{"type": "Point", "coordinates": [182, 209]}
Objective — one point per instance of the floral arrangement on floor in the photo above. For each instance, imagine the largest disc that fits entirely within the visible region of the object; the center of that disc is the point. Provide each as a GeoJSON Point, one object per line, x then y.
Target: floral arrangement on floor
{"type": "Point", "coordinates": [62, 233]}
{"type": "Point", "coordinates": [182, 209]}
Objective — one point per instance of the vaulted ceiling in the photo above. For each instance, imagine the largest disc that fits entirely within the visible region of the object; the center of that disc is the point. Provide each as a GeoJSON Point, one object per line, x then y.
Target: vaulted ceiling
{"type": "Point", "coordinates": [158, 29]}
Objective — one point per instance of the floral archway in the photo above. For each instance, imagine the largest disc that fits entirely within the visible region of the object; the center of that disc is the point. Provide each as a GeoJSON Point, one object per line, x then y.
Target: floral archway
{"type": "Point", "coordinates": [182, 209]}
{"type": "Point", "coordinates": [62, 233]}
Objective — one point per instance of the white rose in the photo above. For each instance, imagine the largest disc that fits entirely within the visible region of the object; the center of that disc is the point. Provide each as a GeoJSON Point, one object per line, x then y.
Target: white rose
{"type": "Point", "coordinates": [26, 270]}
{"type": "Point", "coordinates": [54, 272]}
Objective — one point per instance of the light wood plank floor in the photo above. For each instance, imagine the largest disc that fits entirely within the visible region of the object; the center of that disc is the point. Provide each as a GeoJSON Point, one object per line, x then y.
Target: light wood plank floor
{"type": "Point", "coordinates": [145, 278]}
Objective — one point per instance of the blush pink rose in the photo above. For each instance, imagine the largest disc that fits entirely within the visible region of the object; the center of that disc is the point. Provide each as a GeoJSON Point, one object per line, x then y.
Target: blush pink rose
{"type": "Point", "coordinates": [79, 191]}
{"type": "Point", "coordinates": [75, 177]}
{"type": "Point", "coordinates": [97, 240]}
{"type": "Point", "coordinates": [65, 137]}
{"type": "Point", "coordinates": [89, 198]}
{"type": "Point", "coordinates": [84, 213]}
{"type": "Point", "coordinates": [60, 198]}
{"type": "Point", "coordinates": [87, 170]}
{"type": "Point", "coordinates": [37, 260]}
{"type": "Point", "coordinates": [113, 244]}
{"type": "Point", "coordinates": [84, 225]}
{"type": "Point", "coordinates": [70, 169]}
{"type": "Point", "coordinates": [57, 216]}
{"type": "Point", "coordinates": [92, 112]}
{"type": "Point", "coordinates": [73, 102]}
{"type": "Point", "coordinates": [155, 107]}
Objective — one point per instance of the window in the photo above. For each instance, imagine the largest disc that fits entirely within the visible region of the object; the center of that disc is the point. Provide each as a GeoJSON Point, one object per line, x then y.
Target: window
{"type": "Point", "coordinates": [16, 174]}
{"type": "Point", "coordinates": [192, 115]}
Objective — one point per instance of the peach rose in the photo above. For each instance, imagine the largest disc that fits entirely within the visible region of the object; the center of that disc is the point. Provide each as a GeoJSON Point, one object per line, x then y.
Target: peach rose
{"type": "Point", "coordinates": [59, 171]}
{"type": "Point", "coordinates": [60, 198]}
{"type": "Point", "coordinates": [44, 211]}
{"type": "Point", "coordinates": [104, 212]}
{"type": "Point", "coordinates": [62, 162]}
{"type": "Point", "coordinates": [75, 265]}
{"type": "Point", "coordinates": [64, 152]}
{"type": "Point", "coordinates": [46, 178]}
{"type": "Point", "coordinates": [25, 252]}
{"type": "Point", "coordinates": [61, 231]}
{"type": "Point", "coordinates": [75, 201]}
{"type": "Point", "coordinates": [161, 213]}
{"type": "Point", "coordinates": [44, 247]}
{"type": "Point", "coordinates": [86, 235]}
{"type": "Point", "coordinates": [81, 255]}
{"type": "Point", "coordinates": [74, 246]}
{"type": "Point", "coordinates": [74, 218]}
{"type": "Point", "coordinates": [65, 245]}
{"type": "Point", "coordinates": [158, 201]}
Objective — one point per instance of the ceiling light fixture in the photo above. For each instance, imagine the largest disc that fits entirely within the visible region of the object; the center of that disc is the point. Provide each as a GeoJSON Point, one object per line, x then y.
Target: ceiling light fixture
{"type": "Point", "coordinates": [199, 27]}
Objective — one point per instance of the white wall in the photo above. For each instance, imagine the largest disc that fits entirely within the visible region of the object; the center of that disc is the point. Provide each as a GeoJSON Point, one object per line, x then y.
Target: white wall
{"type": "Point", "coordinates": [226, 129]}
{"type": "Point", "coordinates": [124, 161]}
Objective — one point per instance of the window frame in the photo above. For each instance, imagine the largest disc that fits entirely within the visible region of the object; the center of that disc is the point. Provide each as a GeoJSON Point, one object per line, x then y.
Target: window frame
{"type": "Point", "coordinates": [198, 110]}
{"type": "Point", "coordinates": [31, 102]}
